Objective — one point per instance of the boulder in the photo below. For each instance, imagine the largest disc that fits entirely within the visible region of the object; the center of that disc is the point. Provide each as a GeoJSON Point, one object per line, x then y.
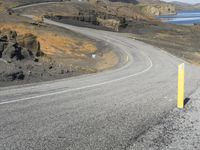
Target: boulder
{"type": "Point", "coordinates": [27, 54]}
{"type": "Point", "coordinates": [12, 34]}
{"type": "Point", "coordinates": [109, 23]}
{"type": "Point", "coordinates": [3, 38]}
{"type": "Point", "coordinates": [16, 52]}
{"type": "Point", "coordinates": [29, 41]}
{"type": "Point", "coordinates": [7, 34]}
{"type": "Point", "coordinates": [8, 53]}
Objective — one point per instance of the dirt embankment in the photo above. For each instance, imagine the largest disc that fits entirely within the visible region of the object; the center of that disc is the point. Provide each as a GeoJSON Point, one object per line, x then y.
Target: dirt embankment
{"type": "Point", "coordinates": [181, 41]}
{"type": "Point", "coordinates": [32, 53]}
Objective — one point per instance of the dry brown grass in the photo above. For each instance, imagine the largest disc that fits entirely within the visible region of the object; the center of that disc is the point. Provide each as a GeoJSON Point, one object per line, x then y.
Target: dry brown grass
{"type": "Point", "coordinates": [54, 44]}
{"type": "Point", "coordinates": [109, 60]}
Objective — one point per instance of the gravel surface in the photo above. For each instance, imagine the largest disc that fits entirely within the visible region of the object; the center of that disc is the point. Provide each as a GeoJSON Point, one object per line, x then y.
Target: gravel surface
{"type": "Point", "coordinates": [180, 130]}
{"type": "Point", "coordinates": [104, 111]}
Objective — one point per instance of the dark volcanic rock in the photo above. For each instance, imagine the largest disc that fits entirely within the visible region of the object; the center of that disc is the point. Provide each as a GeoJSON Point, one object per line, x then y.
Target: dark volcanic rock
{"type": "Point", "coordinates": [18, 47]}
{"type": "Point", "coordinates": [16, 75]}
{"type": "Point", "coordinates": [12, 34]}
{"type": "Point", "coordinates": [7, 34]}
{"type": "Point", "coordinates": [17, 52]}
{"type": "Point", "coordinates": [13, 51]}
{"type": "Point", "coordinates": [8, 52]}
{"type": "Point", "coordinates": [29, 41]}
{"type": "Point", "coordinates": [26, 53]}
{"type": "Point", "coordinates": [1, 49]}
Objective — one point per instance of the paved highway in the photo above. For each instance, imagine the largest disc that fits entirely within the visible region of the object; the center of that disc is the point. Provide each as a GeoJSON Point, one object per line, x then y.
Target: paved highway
{"type": "Point", "coordinates": [103, 111]}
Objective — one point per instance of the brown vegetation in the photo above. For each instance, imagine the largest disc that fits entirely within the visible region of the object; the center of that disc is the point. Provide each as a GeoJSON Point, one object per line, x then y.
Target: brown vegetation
{"type": "Point", "coordinates": [52, 43]}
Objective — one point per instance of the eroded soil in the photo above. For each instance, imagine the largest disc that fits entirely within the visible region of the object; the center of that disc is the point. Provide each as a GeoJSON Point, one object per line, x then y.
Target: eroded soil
{"type": "Point", "coordinates": [66, 53]}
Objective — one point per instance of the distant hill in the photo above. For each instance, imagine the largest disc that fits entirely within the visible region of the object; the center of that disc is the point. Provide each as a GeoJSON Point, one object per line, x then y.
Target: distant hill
{"type": "Point", "coordinates": [185, 6]}
{"type": "Point", "coordinates": [180, 3]}
{"type": "Point", "coordinates": [197, 5]}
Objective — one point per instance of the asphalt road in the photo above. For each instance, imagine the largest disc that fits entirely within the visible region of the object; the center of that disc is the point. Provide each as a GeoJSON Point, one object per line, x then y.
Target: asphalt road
{"type": "Point", "coordinates": [103, 111]}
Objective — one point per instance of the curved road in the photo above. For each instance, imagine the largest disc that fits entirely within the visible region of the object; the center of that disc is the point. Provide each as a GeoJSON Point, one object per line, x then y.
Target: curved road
{"type": "Point", "coordinates": [103, 111]}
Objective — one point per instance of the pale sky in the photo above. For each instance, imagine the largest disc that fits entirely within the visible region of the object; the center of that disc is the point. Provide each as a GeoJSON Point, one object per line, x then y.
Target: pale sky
{"type": "Point", "coordinates": [185, 1]}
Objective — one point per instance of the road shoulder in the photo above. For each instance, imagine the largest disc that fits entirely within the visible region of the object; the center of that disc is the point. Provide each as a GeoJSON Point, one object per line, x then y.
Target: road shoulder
{"type": "Point", "coordinates": [180, 130]}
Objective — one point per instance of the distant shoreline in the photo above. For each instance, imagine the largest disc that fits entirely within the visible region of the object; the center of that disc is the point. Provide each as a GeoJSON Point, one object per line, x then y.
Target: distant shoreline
{"type": "Point", "coordinates": [183, 17]}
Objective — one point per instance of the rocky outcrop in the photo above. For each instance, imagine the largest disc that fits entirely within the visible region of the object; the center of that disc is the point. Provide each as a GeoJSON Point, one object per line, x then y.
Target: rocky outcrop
{"type": "Point", "coordinates": [112, 22]}
{"type": "Point", "coordinates": [156, 10]}
{"type": "Point", "coordinates": [109, 23]}
{"type": "Point", "coordinates": [29, 41]}
{"type": "Point", "coordinates": [14, 75]}
{"type": "Point", "coordinates": [15, 52]}
{"type": "Point", "coordinates": [14, 47]}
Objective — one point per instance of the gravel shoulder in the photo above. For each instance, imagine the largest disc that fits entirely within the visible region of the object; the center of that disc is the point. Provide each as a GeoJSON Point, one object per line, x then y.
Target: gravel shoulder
{"type": "Point", "coordinates": [179, 130]}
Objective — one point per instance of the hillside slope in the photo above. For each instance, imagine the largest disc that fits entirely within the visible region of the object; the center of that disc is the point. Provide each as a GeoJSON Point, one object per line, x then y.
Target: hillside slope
{"type": "Point", "coordinates": [64, 53]}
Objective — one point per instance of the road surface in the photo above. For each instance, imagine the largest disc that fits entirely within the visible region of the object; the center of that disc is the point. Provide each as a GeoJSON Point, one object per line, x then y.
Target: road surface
{"type": "Point", "coordinates": [103, 111]}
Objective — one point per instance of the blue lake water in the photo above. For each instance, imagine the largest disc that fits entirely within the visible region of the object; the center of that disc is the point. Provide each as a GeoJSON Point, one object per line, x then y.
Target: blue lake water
{"type": "Point", "coordinates": [189, 17]}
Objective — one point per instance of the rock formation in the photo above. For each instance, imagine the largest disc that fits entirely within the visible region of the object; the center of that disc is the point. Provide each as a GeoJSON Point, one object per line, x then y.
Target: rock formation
{"type": "Point", "coordinates": [109, 23]}
{"type": "Point", "coordinates": [14, 47]}
{"type": "Point", "coordinates": [156, 10]}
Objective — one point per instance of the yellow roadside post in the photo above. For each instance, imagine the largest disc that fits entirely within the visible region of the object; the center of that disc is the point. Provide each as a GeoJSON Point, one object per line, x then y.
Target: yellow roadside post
{"type": "Point", "coordinates": [180, 97]}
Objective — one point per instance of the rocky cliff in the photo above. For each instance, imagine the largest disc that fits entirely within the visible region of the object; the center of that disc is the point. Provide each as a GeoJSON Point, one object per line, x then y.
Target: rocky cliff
{"type": "Point", "coordinates": [158, 9]}
{"type": "Point", "coordinates": [150, 7]}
